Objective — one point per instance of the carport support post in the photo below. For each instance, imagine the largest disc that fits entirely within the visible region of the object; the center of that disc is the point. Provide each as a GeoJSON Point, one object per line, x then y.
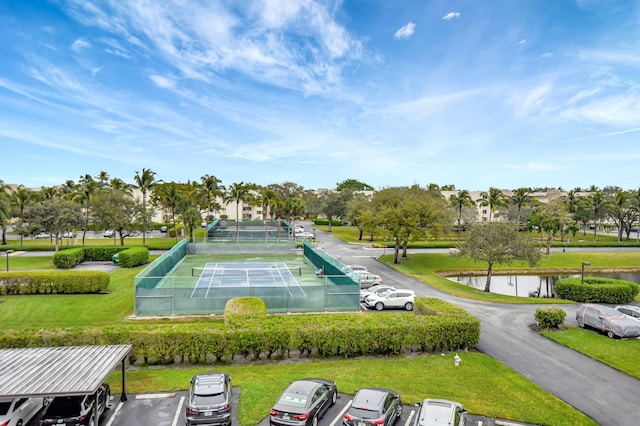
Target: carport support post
{"type": "Point", "coordinates": [123, 396]}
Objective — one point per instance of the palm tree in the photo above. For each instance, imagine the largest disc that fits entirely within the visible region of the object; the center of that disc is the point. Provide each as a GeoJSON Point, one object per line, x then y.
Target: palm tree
{"type": "Point", "coordinates": [459, 202]}
{"type": "Point", "coordinates": [20, 197]}
{"type": "Point", "coordinates": [145, 182]}
{"type": "Point", "coordinates": [620, 204]}
{"type": "Point", "coordinates": [494, 200]}
{"type": "Point", "coordinates": [4, 210]}
{"type": "Point", "coordinates": [102, 179]}
{"type": "Point", "coordinates": [635, 200]}
{"type": "Point", "coordinates": [87, 187]}
{"type": "Point", "coordinates": [597, 203]}
{"type": "Point", "coordinates": [238, 192]}
{"type": "Point", "coordinates": [169, 194]}
{"type": "Point", "coordinates": [212, 190]}
{"type": "Point", "coordinates": [520, 198]}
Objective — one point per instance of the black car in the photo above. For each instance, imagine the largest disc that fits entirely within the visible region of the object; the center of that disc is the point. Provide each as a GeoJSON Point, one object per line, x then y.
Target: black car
{"type": "Point", "coordinates": [374, 406]}
{"type": "Point", "coordinates": [304, 402]}
{"type": "Point", "coordinates": [209, 400]}
{"type": "Point", "coordinates": [77, 410]}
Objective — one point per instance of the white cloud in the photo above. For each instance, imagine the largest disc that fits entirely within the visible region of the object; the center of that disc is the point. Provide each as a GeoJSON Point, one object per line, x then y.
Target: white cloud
{"type": "Point", "coordinates": [163, 82]}
{"type": "Point", "coordinates": [546, 55]}
{"type": "Point", "coordinates": [523, 41]}
{"type": "Point", "coordinates": [95, 71]}
{"type": "Point", "coordinates": [406, 31]}
{"type": "Point", "coordinates": [80, 44]}
{"type": "Point", "coordinates": [451, 15]}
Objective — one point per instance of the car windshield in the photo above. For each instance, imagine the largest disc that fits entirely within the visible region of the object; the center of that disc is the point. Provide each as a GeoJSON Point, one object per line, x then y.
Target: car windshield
{"type": "Point", "coordinates": [68, 405]}
{"type": "Point", "coordinates": [364, 413]}
{"type": "Point", "coordinates": [214, 399]}
{"type": "Point", "coordinates": [293, 399]}
{"type": "Point", "coordinates": [4, 407]}
{"type": "Point", "coordinates": [436, 413]}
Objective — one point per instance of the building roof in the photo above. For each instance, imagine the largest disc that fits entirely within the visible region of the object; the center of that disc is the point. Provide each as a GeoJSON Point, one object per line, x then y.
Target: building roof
{"type": "Point", "coordinates": [65, 370]}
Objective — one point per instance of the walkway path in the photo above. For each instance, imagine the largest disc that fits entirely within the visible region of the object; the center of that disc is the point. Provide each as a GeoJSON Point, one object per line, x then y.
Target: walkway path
{"type": "Point", "coordinates": [604, 394]}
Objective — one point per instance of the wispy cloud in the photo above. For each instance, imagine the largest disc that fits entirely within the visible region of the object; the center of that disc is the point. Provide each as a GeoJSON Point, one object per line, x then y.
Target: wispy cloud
{"type": "Point", "coordinates": [451, 15]}
{"type": "Point", "coordinates": [80, 44]}
{"type": "Point", "coordinates": [405, 31]}
{"type": "Point", "coordinates": [163, 82]}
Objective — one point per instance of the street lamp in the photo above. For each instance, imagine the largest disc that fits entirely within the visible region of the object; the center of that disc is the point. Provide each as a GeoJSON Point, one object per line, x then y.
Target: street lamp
{"type": "Point", "coordinates": [583, 265]}
{"type": "Point", "coordinates": [8, 253]}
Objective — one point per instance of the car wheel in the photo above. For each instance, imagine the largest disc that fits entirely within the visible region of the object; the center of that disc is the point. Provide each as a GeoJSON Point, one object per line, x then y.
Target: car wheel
{"type": "Point", "coordinates": [19, 423]}
{"type": "Point", "coordinates": [334, 397]}
{"type": "Point", "coordinates": [610, 334]}
{"type": "Point", "coordinates": [314, 422]}
{"type": "Point", "coordinates": [379, 306]}
{"type": "Point", "coordinates": [408, 306]}
{"type": "Point", "coordinates": [580, 324]}
{"type": "Point", "coordinates": [398, 413]}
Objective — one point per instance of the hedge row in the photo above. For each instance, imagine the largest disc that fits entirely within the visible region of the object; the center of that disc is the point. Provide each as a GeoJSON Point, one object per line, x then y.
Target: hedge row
{"type": "Point", "coordinates": [133, 256]}
{"type": "Point", "coordinates": [597, 290]}
{"type": "Point", "coordinates": [328, 335]}
{"type": "Point", "coordinates": [53, 282]}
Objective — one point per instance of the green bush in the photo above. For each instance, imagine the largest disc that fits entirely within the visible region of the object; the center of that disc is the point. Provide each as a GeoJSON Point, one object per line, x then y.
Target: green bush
{"type": "Point", "coordinates": [132, 257]}
{"type": "Point", "coordinates": [550, 317]}
{"type": "Point", "coordinates": [98, 254]}
{"type": "Point", "coordinates": [322, 335]}
{"type": "Point", "coordinates": [240, 311]}
{"type": "Point", "coordinates": [597, 290]}
{"type": "Point", "coordinates": [53, 282]}
{"type": "Point", "coordinates": [65, 259]}
{"type": "Point", "coordinates": [334, 222]}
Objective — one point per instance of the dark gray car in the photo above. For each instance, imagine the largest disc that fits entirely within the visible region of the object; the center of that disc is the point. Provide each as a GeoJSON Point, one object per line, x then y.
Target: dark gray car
{"type": "Point", "coordinates": [373, 406]}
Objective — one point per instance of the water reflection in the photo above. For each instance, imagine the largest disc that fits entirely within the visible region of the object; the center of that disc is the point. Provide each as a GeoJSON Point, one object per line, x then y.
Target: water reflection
{"type": "Point", "coordinates": [533, 285]}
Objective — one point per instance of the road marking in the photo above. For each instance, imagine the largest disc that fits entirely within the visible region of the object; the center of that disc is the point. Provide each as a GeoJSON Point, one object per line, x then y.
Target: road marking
{"type": "Point", "coordinates": [339, 416]}
{"type": "Point", "coordinates": [408, 422]}
{"type": "Point", "coordinates": [115, 414]}
{"type": "Point", "coordinates": [178, 411]}
{"type": "Point", "coordinates": [155, 395]}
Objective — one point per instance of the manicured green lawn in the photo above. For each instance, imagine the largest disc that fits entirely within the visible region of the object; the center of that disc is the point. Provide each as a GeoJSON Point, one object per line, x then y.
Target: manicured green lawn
{"type": "Point", "coordinates": [481, 384]}
{"type": "Point", "coordinates": [621, 354]}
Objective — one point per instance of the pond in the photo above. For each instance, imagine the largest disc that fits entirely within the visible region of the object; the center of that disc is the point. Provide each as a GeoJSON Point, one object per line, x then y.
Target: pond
{"type": "Point", "coordinates": [533, 285]}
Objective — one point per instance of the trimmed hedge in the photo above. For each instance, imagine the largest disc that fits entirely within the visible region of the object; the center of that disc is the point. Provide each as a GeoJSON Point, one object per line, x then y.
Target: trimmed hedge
{"type": "Point", "coordinates": [128, 257]}
{"type": "Point", "coordinates": [244, 309]}
{"type": "Point", "coordinates": [550, 317]}
{"type": "Point", "coordinates": [301, 336]}
{"type": "Point", "coordinates": [49, 282]}
{"type": "Point", "coordinates": [132, 257]}
{"type": "Point", "coordinates": [597, 290]}
{"type": "Point", "coordinates": [334, 222]}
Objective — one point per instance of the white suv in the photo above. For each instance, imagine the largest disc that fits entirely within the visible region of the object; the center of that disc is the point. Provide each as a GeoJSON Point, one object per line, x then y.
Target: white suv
{"type": "Point", "coordinates": [396, 298]}
{"type": "Point", "coordinates": [367, 279]}
{"type": "Point", "coordinates": [18, 411]}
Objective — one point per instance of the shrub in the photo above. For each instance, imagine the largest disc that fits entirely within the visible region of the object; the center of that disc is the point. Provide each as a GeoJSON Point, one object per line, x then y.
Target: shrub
{"type": "Point", "coordinates": [59, 282]}
{"type": "Point", "coordinates": [597, 290]}
{"type": "Point", "coordinates": [132, 257]}
{"type": "Point", "coordinates": [241, 310]}
{"type": "Point", "coordinates": [550, 317]}
{"type": "Point", "coordinates": [65, 259]}
{"type": "Point", "coordinates": [334, 222]}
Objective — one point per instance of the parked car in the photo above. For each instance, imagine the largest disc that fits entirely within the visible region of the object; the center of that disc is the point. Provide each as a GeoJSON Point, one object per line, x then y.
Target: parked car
{"type": "Point", "coordinates": [209, 399]}
{"type": "Point", "coordinates": [356, 268]}
{"type": "Point", "coordinates": [374, 289]}
{"type": "Point", "coordinates": [396, 298]}
{"type": "Point", "coordinates": [305, 235]}
{"type": "Point", "coordinates": [607, 320]}
{"type": "Point", "coordinates": [77, 410]}
{"type": "Point", "coordinates": [304, 402]}
{"type": "Point", "coordinates": [367, 279]}
{"type": "Point", "coordinates": [19, 411]}
{"type": "Point", "coordinates": [109, 233]}
{"type": "Point", "coordinates": [42, 236]}
{"type": "Point", "coordinates": [164, 228]}
{"type": "Point", "coordinates": [629, 310]}
{"type": "Point", "coordinates": [373, 406]}
{"type": "Point", "coordinates": [436, 412]}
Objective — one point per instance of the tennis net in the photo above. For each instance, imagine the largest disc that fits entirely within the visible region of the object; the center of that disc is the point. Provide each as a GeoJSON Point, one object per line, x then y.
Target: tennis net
{"type": "Point", "coordinates": [251, 272]}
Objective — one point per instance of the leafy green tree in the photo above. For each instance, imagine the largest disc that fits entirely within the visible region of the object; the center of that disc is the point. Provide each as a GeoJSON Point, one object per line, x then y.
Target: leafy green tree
{"type": "Point", "coordinates": [4, 210]}
{"type": "Point", "coordinates": [334, 205]}
{"type": "Point", "coordinates": [85, 190]}
{"type": "Point", "coordinates": [359, 212]}
{"type": "Point", "coordinates": [353, 185]}
{"type": "Point", "coordinates": [619, 211]}
{"type": "Point", "coordinates": [458, 202]}
{"type": "Point", "coordinates": [145, 181]}
{"type": "Point", "coordinates": [312, 203]}
{"type": "Point", "coordinates": [20, 198]}
{"type": "Point", "coordinates": [498, 243]}
{"type": "Point", "coordinates": [54, 216]}
{"type": "Point", "coordinates": [117, 209]}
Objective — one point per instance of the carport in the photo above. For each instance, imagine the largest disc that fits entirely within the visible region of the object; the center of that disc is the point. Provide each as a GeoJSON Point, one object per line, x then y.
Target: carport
{"type": "Point", "coordinates": [60, 371]}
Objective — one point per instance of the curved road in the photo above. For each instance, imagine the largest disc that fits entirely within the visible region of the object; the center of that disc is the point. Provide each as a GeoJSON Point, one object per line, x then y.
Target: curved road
{"type": "Point", "coordinates": [602, 393]}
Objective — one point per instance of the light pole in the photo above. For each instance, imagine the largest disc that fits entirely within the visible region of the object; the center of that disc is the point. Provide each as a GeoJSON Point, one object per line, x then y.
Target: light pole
{"type": "Point", "coordinates": [583, 265]}
{"type": "Point", "coordinates": [8, 253]}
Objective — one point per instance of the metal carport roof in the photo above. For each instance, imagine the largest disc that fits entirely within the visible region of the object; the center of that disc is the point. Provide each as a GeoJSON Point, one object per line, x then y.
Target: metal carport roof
{"type": "Point", "coordinates": [57, 371]}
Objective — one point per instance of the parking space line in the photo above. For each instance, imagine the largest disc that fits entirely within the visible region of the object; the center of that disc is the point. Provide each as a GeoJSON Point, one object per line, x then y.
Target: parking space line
{"type": "Point", "coordinates": [408, 422]}
{"type": "Point", "coordinates": [339, 416]}
{"type": "Point", "coordinates": [155, 395]}
{"type": "Point", "coordinates": [115, 414]}
{"type": "Point", "coordinates": [178, 411]}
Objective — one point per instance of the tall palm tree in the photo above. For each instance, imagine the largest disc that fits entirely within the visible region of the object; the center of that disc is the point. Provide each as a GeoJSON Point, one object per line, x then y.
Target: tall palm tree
{"type": "Point", "coordinates": [169, 195]}
{"type": "Point", "coordinates": [494, 199]}
{"type": "Point", "coordinates": [87, 187]}
{"type": "Point", "coordinates": [102, 179]}
{"type": "Point", "coordinates": [459, 202]}
{"type": "Point", "coordinates": [520, 198]}
{"type": "Point", "coordinates": [238, 192]}
{"type": "Point", "coordinates": [212, 190]}
{"type": "Point", "coordinates": [620, 204]}
{"type": "Point", "coordinates": [597, 203]}
{"type": "Point", "coordinates": [635, 201]}
{"type": "Point", "coordinates": [19, 198]}
{"type": "Point", "coordinates": [145, 181]}
{"type": "Point", "coordinates": [4, 210]}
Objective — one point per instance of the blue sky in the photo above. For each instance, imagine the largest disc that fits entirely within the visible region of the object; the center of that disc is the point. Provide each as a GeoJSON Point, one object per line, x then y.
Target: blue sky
{"type": "Point", "coordinates": [526, 93]}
